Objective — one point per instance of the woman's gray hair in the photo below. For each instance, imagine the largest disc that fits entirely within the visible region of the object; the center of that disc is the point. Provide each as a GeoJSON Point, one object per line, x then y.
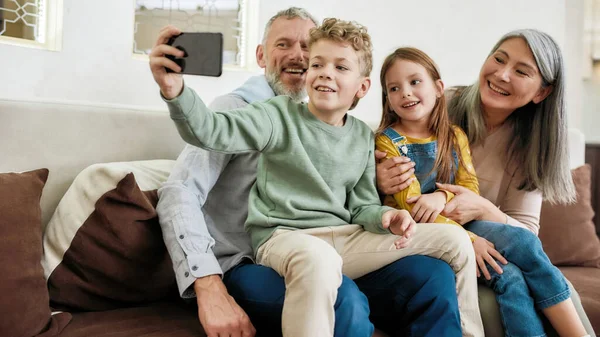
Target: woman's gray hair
{"type": "Point", "coordinates": [290, 13]}
{"type": "Point", "coordinates": [539, 145]}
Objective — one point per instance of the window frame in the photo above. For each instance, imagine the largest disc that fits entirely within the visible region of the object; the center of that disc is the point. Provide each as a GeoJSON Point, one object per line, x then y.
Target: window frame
{"type": "Point", "coordinates": [54, 28]}
{"type": "Point", "coordinates": [249, 35]}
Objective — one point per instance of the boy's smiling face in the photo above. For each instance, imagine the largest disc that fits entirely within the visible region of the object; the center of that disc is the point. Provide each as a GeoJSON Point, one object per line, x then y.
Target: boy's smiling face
{"type": "Point", "coordinates": [334, 78]}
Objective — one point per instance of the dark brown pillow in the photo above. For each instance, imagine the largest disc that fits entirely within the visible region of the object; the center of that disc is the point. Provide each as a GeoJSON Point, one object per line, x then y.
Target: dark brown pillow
{"type": "Point", "coordinates": [567, 232]}
{"type": "Point", "coordinates": [115, 257]}
{"type": "Point", "coordinates": [24, 306]}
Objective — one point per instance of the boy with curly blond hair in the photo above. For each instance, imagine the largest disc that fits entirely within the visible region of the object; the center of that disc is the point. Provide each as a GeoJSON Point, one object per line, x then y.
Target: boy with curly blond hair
{"type": "Point", "coordinates": [314, 211]}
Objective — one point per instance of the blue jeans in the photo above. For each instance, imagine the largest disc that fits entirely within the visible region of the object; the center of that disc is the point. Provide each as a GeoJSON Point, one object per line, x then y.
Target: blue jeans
{"type": "Point", "coordinates": [414, 296]}
{"type": "Point", "coordinates": [528, 283]}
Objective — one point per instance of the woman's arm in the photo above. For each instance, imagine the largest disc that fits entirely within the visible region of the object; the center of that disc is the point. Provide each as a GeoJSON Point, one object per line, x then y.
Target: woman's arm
{"type": "Point", "coordinates": [522, 208]}
{"type": "Point", "coordinates": [468, 205]}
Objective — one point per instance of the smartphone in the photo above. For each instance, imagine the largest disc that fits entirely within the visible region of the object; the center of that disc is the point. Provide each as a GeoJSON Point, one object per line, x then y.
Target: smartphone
{"type": "Point", "coordinates": [203, 53]}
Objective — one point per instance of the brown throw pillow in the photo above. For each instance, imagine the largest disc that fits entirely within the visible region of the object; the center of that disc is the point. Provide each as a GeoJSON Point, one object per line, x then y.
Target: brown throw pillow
{"type": "Point", "coordinates": [24, 306]}
{"type": "Point", "coordinates": [110, 255]}
{"type": "Point", "coordinates": [567, 232]}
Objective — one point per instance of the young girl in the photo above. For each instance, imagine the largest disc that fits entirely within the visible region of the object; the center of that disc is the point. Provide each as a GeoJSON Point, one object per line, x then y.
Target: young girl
{"type": "Point", "coordinates": [415, 124]}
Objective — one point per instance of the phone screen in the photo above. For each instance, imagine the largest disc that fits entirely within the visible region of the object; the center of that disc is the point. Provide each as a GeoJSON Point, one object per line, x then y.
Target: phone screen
{"type": "Point", "coordinates": [203, 53]}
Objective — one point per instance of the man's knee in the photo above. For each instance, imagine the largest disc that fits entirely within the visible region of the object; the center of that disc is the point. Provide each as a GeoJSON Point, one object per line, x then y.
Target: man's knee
{"type": "Point", "coordinates": [349, 295]}
{"type": "Point", "coordinates": [352, 311]}
{"type": "Point", "coordinates": [255, 283]}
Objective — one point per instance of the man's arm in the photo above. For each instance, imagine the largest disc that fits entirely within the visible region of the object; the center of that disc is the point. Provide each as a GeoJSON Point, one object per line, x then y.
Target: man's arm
{"type": "Point", "coordinates": [180, 211]}
{"type": "Point", "coordinates": [182, 221]}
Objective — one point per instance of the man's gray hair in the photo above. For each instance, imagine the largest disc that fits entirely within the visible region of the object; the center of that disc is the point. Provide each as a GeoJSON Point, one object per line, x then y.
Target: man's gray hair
{"type": "Point", "coordinates": [290, 13]}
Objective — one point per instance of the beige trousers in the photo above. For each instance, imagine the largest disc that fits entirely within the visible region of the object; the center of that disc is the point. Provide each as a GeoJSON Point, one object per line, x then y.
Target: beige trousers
{"type": "Point", "coordinates": [312, 262]}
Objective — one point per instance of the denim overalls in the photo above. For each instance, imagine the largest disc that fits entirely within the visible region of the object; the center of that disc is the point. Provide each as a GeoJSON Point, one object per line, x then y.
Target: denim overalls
{"type": "Point", "coordinates": [424, 157]}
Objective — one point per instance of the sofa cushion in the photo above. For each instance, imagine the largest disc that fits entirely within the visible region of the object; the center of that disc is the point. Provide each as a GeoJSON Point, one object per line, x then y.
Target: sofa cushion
{"type": "Point", "coordinates": [163, 319]}
{"type": "Point", "coordinates": [24, 305]}
{"type": "Point", "coordinates": [567, 232]}
{"type": "Point", "coordinates": [103, 247]}
{"type": "Point", "coordinates": [586, 281]}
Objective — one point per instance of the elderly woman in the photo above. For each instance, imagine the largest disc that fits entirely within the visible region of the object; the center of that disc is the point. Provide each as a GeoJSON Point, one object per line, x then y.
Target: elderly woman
{"type": "Point", "coordinates": [514, 116]}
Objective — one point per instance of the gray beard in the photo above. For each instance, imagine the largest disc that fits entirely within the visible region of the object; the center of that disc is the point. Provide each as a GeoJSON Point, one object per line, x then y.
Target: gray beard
{"type": "Point", "coordinates": [280, 89]}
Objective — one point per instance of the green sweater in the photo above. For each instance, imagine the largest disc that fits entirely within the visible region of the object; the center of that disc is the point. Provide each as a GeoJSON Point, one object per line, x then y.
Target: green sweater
{"type": "Point", "coordinates": [310, 174]}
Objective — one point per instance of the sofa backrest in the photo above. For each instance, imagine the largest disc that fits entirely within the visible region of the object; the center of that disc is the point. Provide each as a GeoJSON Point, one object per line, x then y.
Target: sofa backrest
{"type": "Point", "coordinates": [66, 138]}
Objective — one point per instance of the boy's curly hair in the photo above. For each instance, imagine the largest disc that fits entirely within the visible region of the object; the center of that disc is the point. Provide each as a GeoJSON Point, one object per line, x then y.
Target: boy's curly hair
{"type": "Point", "coordinates": [347, 32]}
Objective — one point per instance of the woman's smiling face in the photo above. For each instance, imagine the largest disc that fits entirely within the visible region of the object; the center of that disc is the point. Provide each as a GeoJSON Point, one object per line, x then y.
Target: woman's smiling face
{"type": "Point", "coordinates": [510, 78]}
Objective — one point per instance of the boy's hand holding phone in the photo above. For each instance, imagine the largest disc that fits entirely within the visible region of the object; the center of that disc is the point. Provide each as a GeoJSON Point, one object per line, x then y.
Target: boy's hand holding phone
{"type": "Point", "coordinates": [177, 53]}
{"type": "Point", "coordinates": [171, 84]}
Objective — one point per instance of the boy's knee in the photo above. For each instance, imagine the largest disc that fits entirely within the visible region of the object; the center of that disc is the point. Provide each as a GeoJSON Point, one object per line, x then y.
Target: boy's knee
{"type": "Point", "coordinates": [318, 266]}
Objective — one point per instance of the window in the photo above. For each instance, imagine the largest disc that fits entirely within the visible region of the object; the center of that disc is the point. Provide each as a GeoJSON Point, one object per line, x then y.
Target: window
{"type": "Point", "coordinates": [32, 23]}
{"type": "Point", "coordinates": [226, 16]}
{"type": "Point", "coordinates": [592, 28]}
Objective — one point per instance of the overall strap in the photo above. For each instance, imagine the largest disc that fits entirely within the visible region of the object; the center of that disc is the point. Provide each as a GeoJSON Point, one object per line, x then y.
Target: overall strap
{"type": "Point", "coordinates": [393, 135]}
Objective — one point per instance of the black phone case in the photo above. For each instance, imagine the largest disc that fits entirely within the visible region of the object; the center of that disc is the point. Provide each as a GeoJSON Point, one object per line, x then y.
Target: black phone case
{"type": "Point", "coordinates": [203, 53]}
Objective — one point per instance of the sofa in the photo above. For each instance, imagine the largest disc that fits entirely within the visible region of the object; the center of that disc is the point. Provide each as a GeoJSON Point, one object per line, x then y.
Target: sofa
{"type": "Point", "coordinates": [80, 246]}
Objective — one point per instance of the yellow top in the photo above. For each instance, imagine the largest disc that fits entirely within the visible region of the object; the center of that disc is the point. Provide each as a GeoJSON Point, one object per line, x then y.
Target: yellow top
{"type": "Point", "coordinates": [465, 175]}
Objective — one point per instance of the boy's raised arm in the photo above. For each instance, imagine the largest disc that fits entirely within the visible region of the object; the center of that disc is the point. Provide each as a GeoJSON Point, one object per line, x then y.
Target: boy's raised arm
{"type": "Point", "coordinates": [241, 130]}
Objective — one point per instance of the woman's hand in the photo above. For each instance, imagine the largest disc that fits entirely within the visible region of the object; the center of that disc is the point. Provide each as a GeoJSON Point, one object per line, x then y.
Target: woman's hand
{"type": "Point", "coordinates": [465, 206]}
{"type": "Point", "coordinates": [393, 174]}
{"type": "Point", "coordinates": [427, 206]}
{"type": "Point", "coordinates": [486, 252]}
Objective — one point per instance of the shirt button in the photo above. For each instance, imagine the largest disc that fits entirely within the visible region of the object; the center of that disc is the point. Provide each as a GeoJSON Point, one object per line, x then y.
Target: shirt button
{"type": "Point", "coordinates": [186, 274]}
{"type": "Point", "coordinates": [194, 268]}
{"type": "Point", "coordinates": [181, 236]}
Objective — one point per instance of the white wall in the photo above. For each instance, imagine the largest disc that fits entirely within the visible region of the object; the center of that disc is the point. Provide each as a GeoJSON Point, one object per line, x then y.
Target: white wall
{"type": "Point", "coordinates": [591, 106]}
{"type": "Point", "coordinates": [96, 66]}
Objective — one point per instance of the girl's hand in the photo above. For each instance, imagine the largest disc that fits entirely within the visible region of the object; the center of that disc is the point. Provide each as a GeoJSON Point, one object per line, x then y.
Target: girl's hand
{"type": "Point", "coordinates": [465, 206]}
{"type": "Point", "coordinates": [485, 252]}
{"type": "Point", "coordinates": [399, 222]}
{"type": "Point", "coordinates": [393, 174]}
{"type": "Point", "coordinates": [427, 206]}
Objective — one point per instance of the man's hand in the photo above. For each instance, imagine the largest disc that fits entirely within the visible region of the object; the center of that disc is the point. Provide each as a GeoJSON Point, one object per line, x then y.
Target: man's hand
{"type": "Point", "coordinates": [218, 312]}
{"type": "Point", "coordinates": [427, 206]}
{"type": "Point", "coordinates": [171, 84]}
{"type": "Point", "coordinates": [485, 252]}
{"type": "Point", "coordinates": [393, 174]}
{"type": "Point", "coordinates": [399, 223]}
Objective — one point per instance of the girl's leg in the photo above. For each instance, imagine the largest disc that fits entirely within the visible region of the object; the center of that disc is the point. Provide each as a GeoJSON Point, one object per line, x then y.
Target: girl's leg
{"type": "Point", "coordinates": [364, 252]}
{"type": "Point", "coordinates": [565, 320]}
{"type": "Point", "coordinates": [517, 309]}
{"type": "Point", "coordinates": [547, 284]}
{"type": "Point", "coordinates": [312, 271]}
